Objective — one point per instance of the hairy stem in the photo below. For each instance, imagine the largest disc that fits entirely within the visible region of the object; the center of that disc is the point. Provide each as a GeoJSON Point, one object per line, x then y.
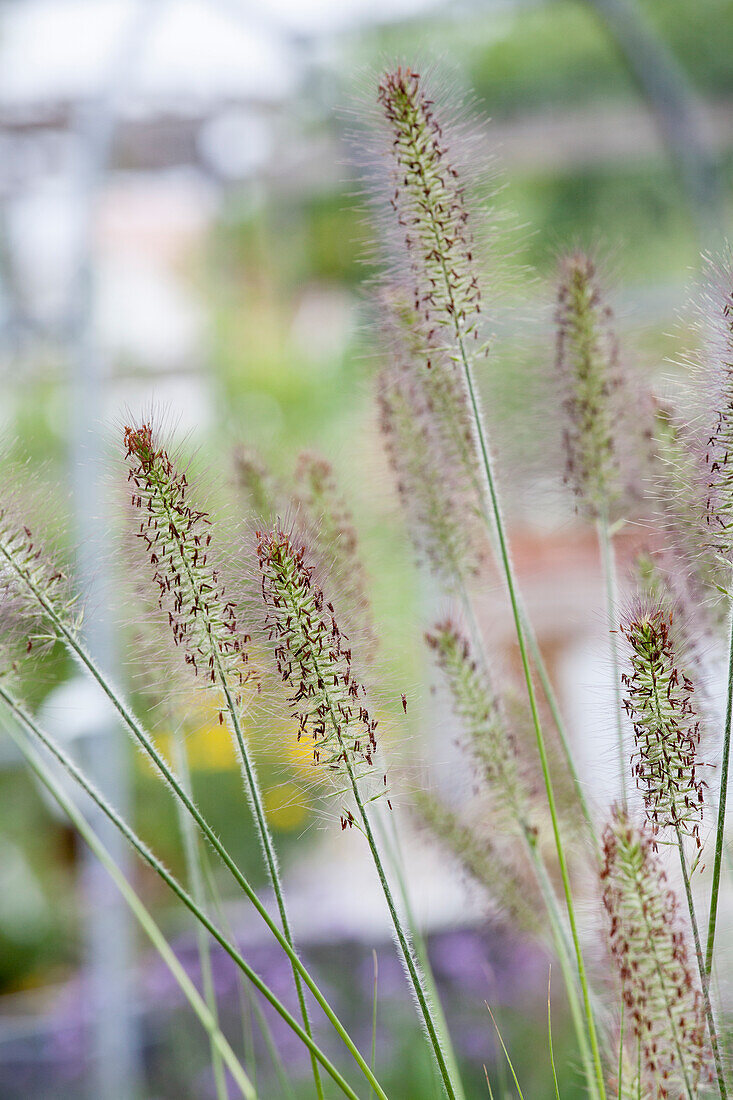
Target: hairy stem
{"type": "Point", "coordinates": [509, 577]}
{"type": "Point", "coordinates": [392, 845]}
{"type": "Point", "coordinates": [704, 978]}
{"type": "Point", "coordinates": [609, 576]}
{"type": "Point", "coordinates": [208, 1018]}
{"type": "Point", "coordinates": [722, 799]}
{"type": "Point", "coordinates": [406, 948]}
{"type": "Point", "coordinates": [152, 860]}
{"type": "Point", "coordinates": [192, 855]}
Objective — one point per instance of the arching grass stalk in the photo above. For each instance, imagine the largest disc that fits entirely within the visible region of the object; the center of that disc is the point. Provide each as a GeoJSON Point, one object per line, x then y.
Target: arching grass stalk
{"type": "Point", "coordinates": [182, 894]}
{"type": "Point", "coordinates": [720, 827]}
{"type": "Point", "coordinates": [249, 1005]}
{"type": "Point", "coordinates": [22, 572]}
{"type": "Point", "coordinates": [177, 538]}
{"type": "Point", "coordinates": [430, 207]}
{"type": "Point", "coordinates": [391, 845]}
{"type": "Point", "coordinates": [192, 855]}
{"type": "Point", "coordinates": [208, 1019]}
{"type": "Point", "coordinates": [704, 977]}
{"type": "Point", "coordinates": [608, 564]}
{"type": "Point", "coordinates": [313, 656]}
{"type": "Point", "coordinates": [494, 753]}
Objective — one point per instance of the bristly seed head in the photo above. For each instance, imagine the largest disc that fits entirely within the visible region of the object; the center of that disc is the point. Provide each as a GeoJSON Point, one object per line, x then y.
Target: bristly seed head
{"type": "Point", "coordinates": [28, 578]}
{"type": "Point", "coordinates": [319, 500]}
{"type": "Point", "coordinates": [648, 946]}
{"type": "Point", "coordinates": [658, 699]}
{"type": "Point", "coordinates": [489, 739]}
{"type": "Point", "coordinates": [588, 365]}
{"type": "Point", "coordinates": [313, 657]}
{"type": "Point", "coordinates": [177, 539]}
{"type": "Point", "coordinates": [440, 507]}
{"type": "Point", "coordinates": [429, 201]}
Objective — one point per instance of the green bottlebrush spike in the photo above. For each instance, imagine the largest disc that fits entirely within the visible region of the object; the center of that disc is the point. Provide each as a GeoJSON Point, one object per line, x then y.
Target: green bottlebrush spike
{"type": "Point", "coordinates": [318, 498]}
{"type": "Point", "coordinates": [313, 656]}
{"type": "Point", "coordinates": [261, 492]}
{"type": "Point", "coordinates": [658, 699]}
{"type": "Point", "coordinates": [496, 870]}
{"type": "Point", "coordinates": [588, 366]}
{"type": "Point", "coordinates": [31, 583]}
{"type": "Point", "coordinates": [489, 739]}
{"type": "Point", "coordinates": [430, 487]}
{"type": "Point", "coordinates": [178, 544]}
{"type": "Point", "coordinates": [414, 351]}
{"type": "Point", "coordinates": [429, 201]}
{"type": "Point", "coordinates": [664, 1008]}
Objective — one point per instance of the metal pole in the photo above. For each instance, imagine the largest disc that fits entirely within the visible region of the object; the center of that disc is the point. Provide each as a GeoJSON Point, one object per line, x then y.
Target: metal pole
{"type": "Point", "coordinates": [116, 1049]}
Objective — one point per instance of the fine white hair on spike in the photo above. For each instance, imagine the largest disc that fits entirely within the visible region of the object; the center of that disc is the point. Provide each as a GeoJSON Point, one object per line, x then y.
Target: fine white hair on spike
{"type": "Point", "coordinates": [587, 363]}
{"type": "Point", "coordinates": [647, 939]}
{"type": "Point", "coordinates": [177, 541]}
{"type": "Point", "coordinates": [658, 699]}
{"type": "Point", "coordinates": [314, 659]}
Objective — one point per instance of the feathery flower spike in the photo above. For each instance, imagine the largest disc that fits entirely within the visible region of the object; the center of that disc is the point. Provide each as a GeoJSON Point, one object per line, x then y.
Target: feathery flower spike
{"type": "Point", "coordinates": [474, 702]}
{"type": "Point", "coordinates": [28, 580]}
{"type": "Point", "coordinates": [488, 863]}
{"type": "Point", "coordinates": [319, 499]}
{"type": "Point", "coordinates": [430, 486]}
{"type": "Point", "coordinates": [587, 364]}
{"type": "Point", "coordinates": [429, 201]}
{"type": "Point", "coordinates": [658, 700]}
{"type": "Point", "coordinates": [313, 657]}
{"type": "Point", "coordinates": [178, 540]}
{"type": "Point", "coordinates": [647, 941]}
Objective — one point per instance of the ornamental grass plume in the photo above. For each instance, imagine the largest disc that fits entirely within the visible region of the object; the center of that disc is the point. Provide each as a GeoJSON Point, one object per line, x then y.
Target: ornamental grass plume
{"type": "Point", "coordinates": [313, 657]}
{"type": "Point", "coordinates": [432, 491]}
{"type": "Point", "coordinates": [32, 584]}
{"type": "Point", "coordinates": [679, 490]}
{"type": "Point", "coordinates": [428, 198]}
{"type": "Point", "coordinates": [177, 539]}
{"type": "Point", "coordinates": [587, 362]}
{"type": "Point", "coordinates": [479, 710]}
{"type": "Point", "coordinates": [647, 939]}
{"type": "Point", "coordinates": [319, 498]}
{"type": "Point", "coordinates": [719, 432]}
{"type": "Point", "coordinates": [492, 865]}
{"type": "Point", "coordinates": [412, 347]}
{"type": "Point", "coordinates": [658, 699]}
{"type": "Point", "coordinates": [261, 491]}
